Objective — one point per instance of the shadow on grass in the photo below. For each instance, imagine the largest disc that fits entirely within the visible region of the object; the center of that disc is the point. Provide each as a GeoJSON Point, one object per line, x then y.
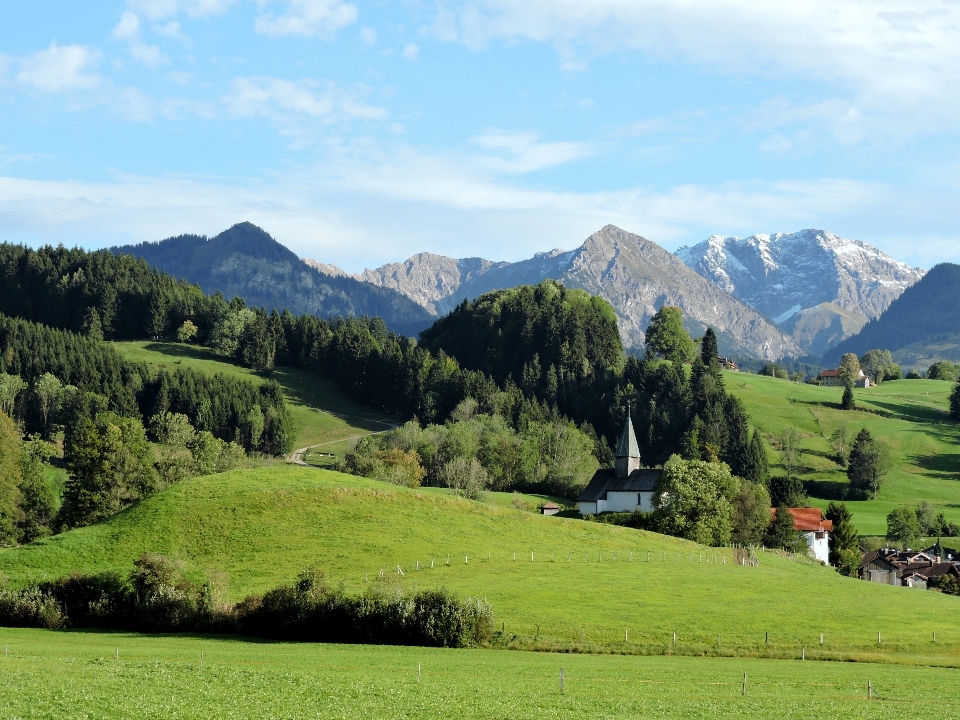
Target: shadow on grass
{"type": "Point", "coordinates": [910, 412]}
{"type": "Point", "coordinates": [828, 489]}
{"type": "Point", "coordinates": [945, 463]}
{"type": "Point", "coordinates": [193, 352]}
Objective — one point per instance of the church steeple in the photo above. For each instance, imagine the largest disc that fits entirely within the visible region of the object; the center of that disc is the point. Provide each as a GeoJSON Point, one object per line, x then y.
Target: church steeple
{"type": "Point", "coordinates": [628, 452]}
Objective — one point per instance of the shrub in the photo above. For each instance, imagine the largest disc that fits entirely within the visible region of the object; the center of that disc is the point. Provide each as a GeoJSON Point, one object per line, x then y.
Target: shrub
{"type": "Point", "coordinates": [30, 608]}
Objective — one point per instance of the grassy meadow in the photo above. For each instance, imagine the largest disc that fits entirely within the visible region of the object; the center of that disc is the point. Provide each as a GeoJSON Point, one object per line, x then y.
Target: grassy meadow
{"type": "Point", "coordinates": [554, 583]}
{"type": "Point", "coordinates": [323, 413]}
{"type": "Point", "coordinates": [76, 675]}
{"type": "Point", "coordinates": [909, 416]}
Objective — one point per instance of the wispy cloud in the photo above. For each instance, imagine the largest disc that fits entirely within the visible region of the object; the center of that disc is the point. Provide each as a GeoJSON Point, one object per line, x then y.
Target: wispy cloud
{"type": "Point", "coordinates": [163, 9]}
{"type": "Point", "coordinates": [128, 30]}
{"type": "Point", "coordinates": [897, 55]}
{"type": "Point", "coordinates": [516, 153]}
{"type": "Point", "coordinates": [60, 68]}
{"type": "Point", "coordinates": [308, 18]}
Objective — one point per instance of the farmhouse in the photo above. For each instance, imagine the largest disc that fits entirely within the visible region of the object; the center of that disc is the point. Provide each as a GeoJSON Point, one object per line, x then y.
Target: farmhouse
{"type": "Point", "coordinates": [815, 530]}
{"type": "Point", "coordinates": [624, 488]}
{"type": "Point", "coordinates": [831, 378]}
{"type": "Point", "coordinates": [909, 568]}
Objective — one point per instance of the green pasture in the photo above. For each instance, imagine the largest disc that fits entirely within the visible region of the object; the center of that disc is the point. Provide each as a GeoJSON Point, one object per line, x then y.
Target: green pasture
{"type": "Point", "coordinates": [909, 416]}
{"type": "Point", "coordinates": [77, 675]}
{"type": "Point", "coordinates": [554, 583]}
{"type": "Point", "coordinates": [322, 412]}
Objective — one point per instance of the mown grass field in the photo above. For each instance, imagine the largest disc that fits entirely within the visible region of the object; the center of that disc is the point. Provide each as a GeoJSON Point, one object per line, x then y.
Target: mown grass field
{"type": "Point", "coordinates": [909, 416]}
{"type": "Point", "coordinates": [322, 412]}
{"type": "Point", "coordinates": [76, 675]}
{"type": "Point", "coordinates": [551, 581]}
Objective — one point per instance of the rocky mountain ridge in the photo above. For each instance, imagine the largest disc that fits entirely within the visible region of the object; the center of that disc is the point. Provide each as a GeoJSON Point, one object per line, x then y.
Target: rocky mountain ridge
{"type": "Point", "coordinates": [816, 286]}
{"type": "Point", "coordinates": [634, 274]}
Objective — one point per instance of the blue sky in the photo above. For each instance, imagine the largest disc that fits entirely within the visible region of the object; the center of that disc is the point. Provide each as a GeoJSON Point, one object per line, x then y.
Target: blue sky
{"type": "Point", "coordinates": [360, 133]}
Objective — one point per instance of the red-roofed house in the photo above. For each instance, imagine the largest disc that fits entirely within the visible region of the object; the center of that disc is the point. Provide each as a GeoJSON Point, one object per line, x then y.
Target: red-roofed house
{"type": "Point", "coordinates": [816, 531]}
{"type": "Point", "coordinates": [831, 378]}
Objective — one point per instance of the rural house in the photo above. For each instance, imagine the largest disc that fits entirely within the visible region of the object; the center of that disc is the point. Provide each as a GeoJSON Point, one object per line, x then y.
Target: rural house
{"type": "Point", "coordinates": [625, 487]}
{"type": "Point", "coordinates": [909, 568]}
{"type": "Point", "coordinates": [831, 378]}
{"type": "Point", "coordinates": [815, 530]}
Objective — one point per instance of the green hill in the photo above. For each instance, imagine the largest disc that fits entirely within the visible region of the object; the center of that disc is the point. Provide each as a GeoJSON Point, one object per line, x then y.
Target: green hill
{"type": "Point", "coordinates": [909, 416]}
{"type": "Point", "coordinates": [545, 576]}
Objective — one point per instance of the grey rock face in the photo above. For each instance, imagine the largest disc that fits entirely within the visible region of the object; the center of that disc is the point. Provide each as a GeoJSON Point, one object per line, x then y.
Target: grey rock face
{"type": "Point", "coordinates": [635, 275]}
{"type": "Point", "coordinates": [817, 286]}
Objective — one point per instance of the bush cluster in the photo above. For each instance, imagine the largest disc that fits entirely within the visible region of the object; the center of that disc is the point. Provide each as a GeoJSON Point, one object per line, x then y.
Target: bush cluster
{"type": "Point", "coordinates": [156, 597]}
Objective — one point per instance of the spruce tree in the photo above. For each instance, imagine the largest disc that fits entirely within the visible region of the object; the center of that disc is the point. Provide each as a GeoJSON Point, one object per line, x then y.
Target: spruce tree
{"type": "Point", "coordinates": [757, 468]}
{"type": "Point", "coordinates": [848, 402]}
{"type": "Point", "coordinates": [708, 349]}
{"type": "Point", "coordinates": [844, 538]}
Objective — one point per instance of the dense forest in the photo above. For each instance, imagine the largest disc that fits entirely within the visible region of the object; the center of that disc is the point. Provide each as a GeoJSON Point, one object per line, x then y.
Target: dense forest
{"type": "Point", "coordinates": [49, 376]}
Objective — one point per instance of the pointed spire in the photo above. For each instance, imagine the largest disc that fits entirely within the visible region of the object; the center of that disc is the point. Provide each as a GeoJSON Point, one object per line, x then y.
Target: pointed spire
{"type": "Point", "coordinates": [627, 447]}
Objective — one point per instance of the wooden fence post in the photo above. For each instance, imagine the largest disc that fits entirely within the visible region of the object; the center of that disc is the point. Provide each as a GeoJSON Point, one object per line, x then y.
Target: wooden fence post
{"type": "Point", "coordinates": [561, 681]}
{"type": "Point", "coordinates": [744, 690]}
{"type": "Point", "coordinates": [418, 672]}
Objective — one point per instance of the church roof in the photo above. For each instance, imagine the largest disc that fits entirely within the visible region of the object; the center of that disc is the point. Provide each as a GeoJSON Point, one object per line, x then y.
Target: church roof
{"type": "Point", "coordinates": [627, 447]}
{"type": "Point", "coordinates": [605, 480]}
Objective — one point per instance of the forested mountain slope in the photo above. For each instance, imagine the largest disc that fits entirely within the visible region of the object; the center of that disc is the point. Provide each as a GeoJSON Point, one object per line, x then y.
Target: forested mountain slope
{"type": "Point", "coordinates": [818, 287]}
{"type": "Point", "coordinates": [246, 262]}
{"type": "Point", "coordinates": [926, 314]}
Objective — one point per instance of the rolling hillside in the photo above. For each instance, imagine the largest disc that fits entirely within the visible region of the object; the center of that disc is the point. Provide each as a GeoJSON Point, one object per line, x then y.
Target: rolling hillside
{"type": "Point", "coordinates": [250, 530]}
{"type": "Point", "coordinates": [909, 416]}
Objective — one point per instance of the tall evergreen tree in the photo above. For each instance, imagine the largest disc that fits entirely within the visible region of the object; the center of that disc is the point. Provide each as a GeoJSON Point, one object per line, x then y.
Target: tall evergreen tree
{"type": "Point", "coordinates": [847, 402]}
{"type": "Point", "coordinates": [844, 538]}
{"type": "Point", "coordinates": [708, 349]}
{"type": "Point", "coordinates": [757, 467]}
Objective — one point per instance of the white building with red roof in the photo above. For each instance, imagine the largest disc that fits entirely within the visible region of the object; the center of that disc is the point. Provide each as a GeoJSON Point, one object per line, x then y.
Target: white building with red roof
{"type": "Point", "coordinates": [815, 530]}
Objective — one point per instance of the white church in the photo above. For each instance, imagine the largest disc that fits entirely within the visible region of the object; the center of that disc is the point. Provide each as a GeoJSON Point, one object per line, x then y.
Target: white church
{"type": "Point", "coordinates": [626, 487]}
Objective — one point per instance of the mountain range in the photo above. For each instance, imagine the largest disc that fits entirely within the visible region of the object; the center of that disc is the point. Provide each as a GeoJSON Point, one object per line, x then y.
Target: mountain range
{"type": "Point", "coordinates": [245, 261]}
{"type": "Point", "coordinates": [767, 296]}
{"type": "Point", "coordinates": [817, 287]}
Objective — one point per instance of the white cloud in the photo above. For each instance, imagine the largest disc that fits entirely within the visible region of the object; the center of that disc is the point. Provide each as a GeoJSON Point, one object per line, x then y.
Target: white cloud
{"type": "Point", "coordinates": [368, 36]}
{"type": "Point", "coordinates": [128, 29]}
{"type": "Point", "coordinates": [162, 9]}
{"type": "Point", "coordinates": [524, 152]}
{"type": "Point", "coordinates": [60, 68]}
{"type": "Point", "coordinates": [411, 51]}
{"type": "Point", "coordinates": [308, 18]}
{"type": "Point", "coordinates": [895, 54]}
{"type": "Point", "coordinates": [170, 30]}
{"type": "Point", "coordinates": [363, 207]}
{"type": "Point", "coordinates": [287, 101]}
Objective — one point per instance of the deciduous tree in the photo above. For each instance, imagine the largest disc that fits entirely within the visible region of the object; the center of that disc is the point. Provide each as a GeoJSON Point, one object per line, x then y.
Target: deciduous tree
{"type": "Point", "coordinates": [694, 500]}
{"type": "Point", "coordinates": [667, 338]}
{"type": "Point", "coordinates": [902, 527]}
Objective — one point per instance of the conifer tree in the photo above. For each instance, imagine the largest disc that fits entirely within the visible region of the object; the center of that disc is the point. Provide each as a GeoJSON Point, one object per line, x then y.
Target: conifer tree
{"type": "Point", "coordinates": [847, 402]}
{"type": "Point", "coordinates": [844, 538]}
{"type": "Point", "coordinates": [708, 349]}
{"type": "Point", "coordinates": [781, 533]}
{"type": "Point", "coordinates": [757, 467]}
{"type": "Point", "coordinates": [869, 461]}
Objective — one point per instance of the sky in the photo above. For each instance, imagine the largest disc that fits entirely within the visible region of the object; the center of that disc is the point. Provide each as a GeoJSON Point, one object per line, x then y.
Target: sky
{"type": "Point", "coordinates": [359, 133]}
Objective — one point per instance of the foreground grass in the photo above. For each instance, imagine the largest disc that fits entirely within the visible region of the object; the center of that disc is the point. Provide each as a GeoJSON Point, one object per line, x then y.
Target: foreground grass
{"type": "Point", "coordinates": [75, 675]}
{"type": "Point", "coordinates": [909, 416]}
{"type": "Point", "coordinates": [323, 413]}
{"type": "Point", "coordinates": [554, 583]}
